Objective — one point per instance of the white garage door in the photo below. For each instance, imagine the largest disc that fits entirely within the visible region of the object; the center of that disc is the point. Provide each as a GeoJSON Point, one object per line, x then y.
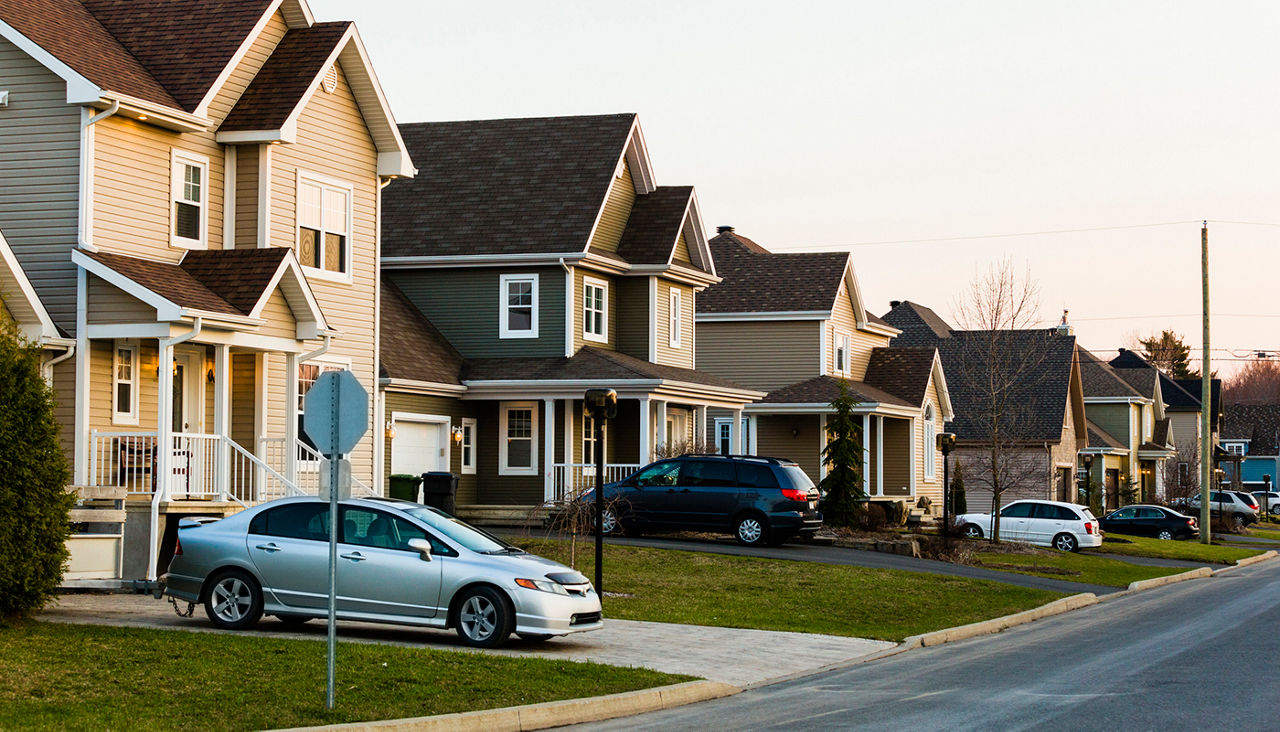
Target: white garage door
{"type": "Point", "coordinates": [416, 448]}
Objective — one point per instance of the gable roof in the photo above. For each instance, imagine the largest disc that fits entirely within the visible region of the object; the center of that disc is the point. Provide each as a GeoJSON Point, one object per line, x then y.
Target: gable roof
{"type": "Point", "coordinates": [920, 325]}
{"type": "Point", "coordinates": [589, 364]}
{"type": "Point", "coordinates": [1258, 423]}
{"type": "Point", "coordinates": [1136, 372]}
{"type": "Point", "coordinates": [822, 390]}
{"type": "Point", "coordinates": [1178, 398]}
{"type": "Point", "coordinates": [1099, 380]}
{"type": "Point", "coordinates": [1100, 439]}
{"type": "Point", "coordinates": [504, 186]}
{"type": "Point", "coordinates": [904, 372]}
{"type": "Point", "coordinates": [21, 299]}
{"type": "Point", "coordinates": [410, 347]}
{"type": "Point", "coordinates": [285, 79]}
{"type": "Point", "coordinates": [1195, 388]}
{"type": "Point", "coordinates": [657, 219]}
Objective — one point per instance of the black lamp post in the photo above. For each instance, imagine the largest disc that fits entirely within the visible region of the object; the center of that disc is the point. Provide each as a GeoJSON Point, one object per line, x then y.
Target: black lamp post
{"type": "Point", "coordinates": [946, 443]}
{"type": "Point", "coordinates": [1088, 481]}
{"type": "Point", "coordinates": [600, 404]}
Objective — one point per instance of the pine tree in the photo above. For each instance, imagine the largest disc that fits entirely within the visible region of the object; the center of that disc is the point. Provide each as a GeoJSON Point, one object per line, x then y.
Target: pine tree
{"type": "Point", "coordinates": [843, 458]}
{"type": "Point", "coordinates": [1168, 353]}
{"type": "Point", "coordinates": [959, 504]}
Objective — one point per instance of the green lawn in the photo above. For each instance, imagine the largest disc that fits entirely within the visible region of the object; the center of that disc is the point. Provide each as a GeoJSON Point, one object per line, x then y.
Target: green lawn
{"type": "Point", "coordinates": [1074, 567]}
{"type": "Point", "coordinates": [1265, 533]}
{"type": "Point", "coordinates": [55, 676]}
{"type": "Point", "coordinates": [743, 592]}
{"type": "Point", "coordinates": [1190, 549]}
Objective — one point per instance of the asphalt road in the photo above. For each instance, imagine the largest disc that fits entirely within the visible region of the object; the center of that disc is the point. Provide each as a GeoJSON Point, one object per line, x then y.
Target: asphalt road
{"type": "Point", "coordinates": [1190, 656]}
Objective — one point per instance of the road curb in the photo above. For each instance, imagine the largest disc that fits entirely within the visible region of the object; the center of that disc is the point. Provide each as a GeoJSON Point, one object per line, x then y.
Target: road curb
{"type": "Point", "coordinates": [1154, 582]}
{"type": "Point", "coordinates": [550, 714]}
{"type": "Point", "coordinates": [1269, 554]}
{"type": "Point", "coordinates": [995, 625]}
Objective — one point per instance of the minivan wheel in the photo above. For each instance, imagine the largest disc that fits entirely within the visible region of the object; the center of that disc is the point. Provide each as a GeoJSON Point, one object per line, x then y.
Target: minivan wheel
{"type": "Point", "coordinates": [1165, 534]}
{"type": "Point", "coordinates": [972, 531]}
{"type": "Point", "coordinates": [484, 618]}
{"type": "Point", "coordinates": [1238, 520]}
{"type": "Point", "coordinates": [234, 600]}
{"type": "Point", "coordinates": [609, 522]}
{"type": "Point", "coordinates": [1065, 543]}
{"type": "Point", "coordinates": [751, 530]}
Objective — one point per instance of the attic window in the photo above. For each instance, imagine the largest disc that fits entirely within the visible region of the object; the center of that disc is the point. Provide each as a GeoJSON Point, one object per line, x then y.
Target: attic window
{"type": "Point", "coordinates": [330, 80]}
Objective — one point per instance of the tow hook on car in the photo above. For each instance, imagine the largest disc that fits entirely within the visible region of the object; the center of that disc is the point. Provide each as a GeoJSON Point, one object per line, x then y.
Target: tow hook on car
{"type": "Point", "coordinates": [159, 593]}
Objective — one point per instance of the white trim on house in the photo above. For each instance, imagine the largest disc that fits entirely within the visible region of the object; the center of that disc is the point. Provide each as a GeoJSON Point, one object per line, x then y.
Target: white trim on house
{"type": "Point", "coordinates": [929, 415]}
{"type": "Point", "coordinates": [295, 288]}
{"type": "Point", "coordinates": [468, 467]}
{"type": "Point", "coordinates": [779, 315]}
{"type": "Point", "coordinates": [264, 195]}
{"type": "Point", "coordinates": [653, 320]}
{"type": "Point", "coordinates": [675, 317]}
{"type": "Point", "coordinates": [504, 306]}
{"type": "Point", "coordinates": [326, 185]}
{"type": "Point", "coordinates": [410, 386]}
{"type": "Point", "coordinates": [603, 312]}
{"type": "Point", "coordinates": [570, 305]}
{"type": "Point", "coordinates": [841, 343]}
{"type": "Point", "coordinates": [33, 319]}
{"type": "Point", "coordinates": [504, 437]}
{"type": "Point", "coordinates": [179, 162]}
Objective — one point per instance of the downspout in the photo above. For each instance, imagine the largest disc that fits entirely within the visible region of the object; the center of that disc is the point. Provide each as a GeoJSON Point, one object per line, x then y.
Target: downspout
{"type": "Point", "coordinates": [159, 492]}
{"type": "Point", "coordinates": [48, 367]}
{"type": "Point", "coordinates": [328, 341]}
{"type": "Point", "coordinates": [86, 174]}
{"type": "Point", "coordinates": [569, 306]}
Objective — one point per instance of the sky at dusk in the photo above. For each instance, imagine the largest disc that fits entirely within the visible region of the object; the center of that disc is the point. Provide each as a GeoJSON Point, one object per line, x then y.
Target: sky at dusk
{"type": "Point", "coordinates": [873, 126]}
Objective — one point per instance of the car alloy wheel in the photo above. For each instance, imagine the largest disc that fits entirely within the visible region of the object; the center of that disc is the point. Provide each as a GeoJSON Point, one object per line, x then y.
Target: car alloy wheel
{"type": "Point", "coordinates": [1238, 520]}
{"type": "Point", "coordinates": [484, 619]}
{"type": "Point", "coordinates": [1065, 543]}
{"type": "Point", "coordinates": [750, 531]}
{"type": "Point", "coordinates": [972, 531]}
{"type": "Point", "coordinates": [609, 522]}
{"type": "Point", "coordinates": [234, 601]}
{"type": "Point", "coordinates": [1165, 534]}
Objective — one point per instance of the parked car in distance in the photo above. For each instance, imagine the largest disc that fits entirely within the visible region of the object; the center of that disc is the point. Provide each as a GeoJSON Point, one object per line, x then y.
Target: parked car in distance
{"type": "Point", "coordinates": [1229, 506]}
{"type": "Point", "coordinates": [1147, 520]}
{"type": "Point", "coordinates": [1249, 499]}
{"type": "Point", "coordinates": [1063, 526]}
{"type": "Point", "coordinates": [398, 562]}
{"type": "Point", "coordinates": [1272, 498]}
{"type": "Point", "coordinates": [760, 500]}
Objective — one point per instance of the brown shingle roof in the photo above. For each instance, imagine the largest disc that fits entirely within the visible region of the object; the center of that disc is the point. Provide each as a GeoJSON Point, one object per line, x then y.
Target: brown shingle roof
{"type": "Point", "coordinates": [654, 225]}
{"type": "Point", "coordinates": [825, 389]}
{"type": "Point", "coordinates": [1099, 380]}
{"type": "Point", "coordinates": [410, 346]}
{"type": "Point", "coordinates": [503, 186]}
{"type": "Point", "coordinates": [278, 88]}
{"type": "Point", "coordinates": [758, 281]}
{"type": "Point", "coordinates": [229, 281]}
{"type": "Point", "coordinates": [167, 280]}
{"type": "Point", "coordinates": [920, 326]}
{"type": "Point", "coordinates": [903, 372]}
{"type": "Point", "coordinates": [587, 363]}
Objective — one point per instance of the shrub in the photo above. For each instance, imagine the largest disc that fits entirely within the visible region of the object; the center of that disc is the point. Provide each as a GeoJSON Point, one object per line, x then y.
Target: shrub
{"type": "Point", "coordinates": [33, 478]}
{"type": "Point", "coordinates": [843, 457]}
{"type": "Point", "coordinates": [871, 518]}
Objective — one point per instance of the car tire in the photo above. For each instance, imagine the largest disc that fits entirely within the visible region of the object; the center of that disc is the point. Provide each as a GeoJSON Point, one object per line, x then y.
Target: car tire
{"type": "Point", "coordinates": [609, 526]}
{"type": "Point", "coordinates": [293, 621]}
{"type": "Point", "coordinates": [1164, 534]}
{"type": "Point", "coordinates": [1238, 520]}
{"type": "Point", "coordinates": [484, 618]}
{"type": "Point", "coordinates": [971, 531]}
{"type": "Point", "coordinates": [751, 530]}
{"type": "Point", "coordinates": [234, 600]}
{"type": "Point", "coordinates": [1065, 542]}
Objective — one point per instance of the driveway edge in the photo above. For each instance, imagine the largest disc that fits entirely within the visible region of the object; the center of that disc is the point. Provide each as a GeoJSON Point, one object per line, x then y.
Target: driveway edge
{"type": "Point", "coordinates": [995, 625]}
{"type": "Point", "coordinates": [550, 714]}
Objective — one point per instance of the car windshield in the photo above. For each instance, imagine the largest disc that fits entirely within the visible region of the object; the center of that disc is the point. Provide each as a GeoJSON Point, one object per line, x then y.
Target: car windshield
{"type": "Point", "coordinates": [797, 477]}
{"type": "Point", "coordinates": [465, 534]}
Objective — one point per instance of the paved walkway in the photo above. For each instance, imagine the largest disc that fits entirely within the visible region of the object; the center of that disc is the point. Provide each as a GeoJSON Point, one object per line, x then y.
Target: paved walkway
{"type": "Point", "coordinates": [735, 656]}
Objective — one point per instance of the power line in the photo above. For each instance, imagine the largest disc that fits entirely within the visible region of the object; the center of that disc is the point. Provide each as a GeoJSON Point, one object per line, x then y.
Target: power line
{"type": "Point", "coordinates": [1175, 315]}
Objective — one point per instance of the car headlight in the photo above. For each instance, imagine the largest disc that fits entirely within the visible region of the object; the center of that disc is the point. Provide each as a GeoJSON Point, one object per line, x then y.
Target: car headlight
{"type": "Point", "coordinates": [554, 588]}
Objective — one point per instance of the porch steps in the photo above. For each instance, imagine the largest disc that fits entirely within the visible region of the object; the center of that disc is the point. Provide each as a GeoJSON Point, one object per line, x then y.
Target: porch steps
{"type": "Point", "coordinates": [497, 515]}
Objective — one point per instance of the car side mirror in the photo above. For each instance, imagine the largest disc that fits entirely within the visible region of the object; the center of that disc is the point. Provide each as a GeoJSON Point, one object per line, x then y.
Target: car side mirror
{"type": "Point", "coordinates": [422, 547]}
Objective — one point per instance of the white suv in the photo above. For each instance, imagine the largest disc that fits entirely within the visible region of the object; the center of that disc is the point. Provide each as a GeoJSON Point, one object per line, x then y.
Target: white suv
{"type": "Point", "coordinates": [1272, 501]}
{"type": "Point", "coordinates": [1063, 526]}
{"type": "Point", "coordinates": [1227, 505]}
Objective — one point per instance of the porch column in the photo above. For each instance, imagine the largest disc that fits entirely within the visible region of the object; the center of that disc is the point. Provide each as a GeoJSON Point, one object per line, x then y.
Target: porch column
{"type": "Point", "coordinates": [879, 455]}
{"type": "Point", "coordinates": [548, 449]}
{"type": "Point", "coordinates": [222, 416]}
{"type": "Point", "coordinates": [290, 415]}
{"type": "Point", "coordinates": [699, 426]}
{"type": "Point", "coordinates": [660, 423]}
{"type": "Point", "coordinates": [164, 424]}
{"type": "Point", "coordinates": [822, 445]}
{"type": "Point", "coordinates": [866, 454]}
{"type": "Point", "coordinates": [646, 432]}
{"type": "Point", "coordinates": [739, 439]}
{"type": "Point", "coordinates": [568, 433]}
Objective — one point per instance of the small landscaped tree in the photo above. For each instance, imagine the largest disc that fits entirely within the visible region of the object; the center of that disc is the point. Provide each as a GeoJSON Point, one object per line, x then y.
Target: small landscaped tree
{"type": "Point", "coordinates": [33, 478]}
{"type": "Point", "coordinates": [843, 458]}
{"type": "Point", "coordinates": [959, 504]}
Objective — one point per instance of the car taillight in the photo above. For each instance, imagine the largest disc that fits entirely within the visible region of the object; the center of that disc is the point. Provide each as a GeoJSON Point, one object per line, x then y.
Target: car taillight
{"type": "Point", "coordinates": [1088, 527]}
{"type": "Point", "coordinates": [1191, 522]}
{"type": "Point", "coordinates": [177, 547]}
{"type": "Point", "coordinates": [795, 494]}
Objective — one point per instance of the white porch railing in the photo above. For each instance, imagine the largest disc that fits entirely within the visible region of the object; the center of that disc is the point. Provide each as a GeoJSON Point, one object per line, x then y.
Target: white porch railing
{"type": "Point", "coordinates": [309, 466]}
{"type": "Point", "coordinates": [570, 479]}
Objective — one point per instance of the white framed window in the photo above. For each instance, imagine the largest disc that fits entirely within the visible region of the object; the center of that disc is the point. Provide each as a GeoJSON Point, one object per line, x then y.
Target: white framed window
{"type": "Point", "coordinates": [591, 450]}
{"type": "Point", "coordinates": [518, 438]}
{"type": "Point", "coordinates": [468, 446]}
{"type": "Point", "coordinates": [308, 372]}
{"type": "Point", "coordinates": [189, 205]}
{"type": "Point", "coordinates": [676, 316]}
{"type": "Point", "coordinates": [930, 444]}
{"type": "Point", "coordinates": [841, 363]}
{"type": "Point", "coordinates": [725, 435]}
{"type": "Point", "coordinates": [595, 310]}
{"type": "Point", "coordinates": [124, 383]}
{"type": "Point", "coordinates": [518, 308]}
{"type": "Point", "coordinates": [324, 226]}
{"type": "Point", "coordinates": [1234, 448]}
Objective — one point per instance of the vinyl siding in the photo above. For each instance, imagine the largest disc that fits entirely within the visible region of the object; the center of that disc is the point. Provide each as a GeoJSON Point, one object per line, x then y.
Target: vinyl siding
{"type": "Point", "coordinates": [632, 306]}
{"type": "Point", "coordinates": [446, 406]}
{"type": "Point", "coordinates": [252, 62]}
{"type": "Point", "coordinates": [39, 179]}
{"type": "Point", "coordinates": [100, 387]}
{"type": "Point", "coordinates": [861, 342]}
{"type": "Point", "coordinates": [793, 348]}
{"type": "Point", "coordinates": [617, 209]}
{"type": "Point", "coordinates": [465, 304]}
{"type": "Point", "coordinates": [1112, 418]}
{"type": "Point", "coordinates": [246, 196]}
{"type": "Point", "coordinates": [611, 310]}
{"type": "Point", "coordinates": [109, 304]}
{"type": "Point", "coordinates": [506, 490]}
{"type": "Point", "coordinates": [682, 356]}
{"type": "Point", "coordinates": [243, 394]}
{"type": "Point", "coordinates": [1186, 430]}
{"type": "Point", "coordinates": [897, 458]}
{"type": "Point", "coordinates": [774, 439]}
{"type": "Point", "coordinates": [681, 253]}
{"type": "Point", "coordinates": [280, 321]}
{"type": "Point", "coordinates": [933, 488]}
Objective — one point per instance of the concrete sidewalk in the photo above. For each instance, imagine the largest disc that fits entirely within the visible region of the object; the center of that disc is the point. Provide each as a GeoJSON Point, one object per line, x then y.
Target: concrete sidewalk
{"type": "Point", "coordinates": [743, 658]}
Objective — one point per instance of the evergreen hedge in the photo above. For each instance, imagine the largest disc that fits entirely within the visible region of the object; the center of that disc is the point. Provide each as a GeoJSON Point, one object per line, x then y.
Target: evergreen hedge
{"type": "Point", "coordinates": [33, 478]}
{"type": "Point", "coordinates": [843, 456]}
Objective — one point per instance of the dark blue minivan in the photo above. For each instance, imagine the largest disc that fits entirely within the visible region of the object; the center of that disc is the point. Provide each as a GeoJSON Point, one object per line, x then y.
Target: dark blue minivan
{"type": "Point", "coordinates": [760, 500]}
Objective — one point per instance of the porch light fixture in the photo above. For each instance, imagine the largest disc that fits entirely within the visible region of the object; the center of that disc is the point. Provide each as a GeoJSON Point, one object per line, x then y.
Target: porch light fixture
{"type": "Point", "coordinates": [209, 376]}
{"type": "Point", "coordinates": [390, 431]}
{"type": "Point", "coordinates": [457, 434]}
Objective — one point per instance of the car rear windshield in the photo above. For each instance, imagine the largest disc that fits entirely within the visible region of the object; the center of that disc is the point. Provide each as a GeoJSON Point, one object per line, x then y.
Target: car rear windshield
{"type": "Point", "coordinates": [463, 533]}
{"type": "Point", "coordinates": [794, 477]}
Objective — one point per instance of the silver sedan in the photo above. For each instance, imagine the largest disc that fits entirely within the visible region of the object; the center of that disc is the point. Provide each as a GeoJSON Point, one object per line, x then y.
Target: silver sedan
{"type": "Point", "coordinates": [398, 562]}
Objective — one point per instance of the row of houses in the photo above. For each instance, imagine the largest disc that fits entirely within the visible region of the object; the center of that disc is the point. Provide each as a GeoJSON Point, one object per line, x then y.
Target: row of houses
{"type": "Point", "coordinates": [202, 209]}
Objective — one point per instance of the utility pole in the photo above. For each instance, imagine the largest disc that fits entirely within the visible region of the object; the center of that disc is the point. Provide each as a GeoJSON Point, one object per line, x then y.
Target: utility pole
{"type": "Point", "coordinates": [1206, 402]}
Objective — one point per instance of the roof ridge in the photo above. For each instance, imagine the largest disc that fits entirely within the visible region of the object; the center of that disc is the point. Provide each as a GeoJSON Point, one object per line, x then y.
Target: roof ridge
{"type": "Point", "coordinates": [608, 356]}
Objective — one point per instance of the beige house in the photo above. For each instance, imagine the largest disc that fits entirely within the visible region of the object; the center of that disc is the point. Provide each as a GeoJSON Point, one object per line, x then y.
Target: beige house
{"type": "Point", "coordinates": [795, 326]}
{"type": "Point", "coordinates": [206, 230]}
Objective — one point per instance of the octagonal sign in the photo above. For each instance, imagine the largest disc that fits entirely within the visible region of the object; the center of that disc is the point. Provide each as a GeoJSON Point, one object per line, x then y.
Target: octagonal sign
{"type": "Point", "coordinates": [336, 413]}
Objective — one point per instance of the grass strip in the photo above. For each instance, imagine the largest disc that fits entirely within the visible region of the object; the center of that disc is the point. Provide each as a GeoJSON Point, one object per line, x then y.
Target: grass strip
{"type": "Point", "coordinates": [1190, 550]}
{"type": "Point", "coordinates": [1271, 534]}
{"type": "Point", "coordinates": [1074, 567]}
{"type": "Point", "coordinates": [700, 588]}
{"type": "Point", "coordinates": [57, 676]}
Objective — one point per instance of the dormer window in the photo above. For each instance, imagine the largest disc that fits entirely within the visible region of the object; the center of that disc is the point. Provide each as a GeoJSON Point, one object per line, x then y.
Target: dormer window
{"type": "Point", "coordinates": [189, 188]}
{"type": "Point", "coordinates": [518, 315]}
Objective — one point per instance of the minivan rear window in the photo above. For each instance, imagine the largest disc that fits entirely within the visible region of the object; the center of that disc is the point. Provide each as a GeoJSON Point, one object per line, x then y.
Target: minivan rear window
{"type": "Point", "coordinates": [797, 478]}
{"type": "Point", "coordinates": [755, 475]}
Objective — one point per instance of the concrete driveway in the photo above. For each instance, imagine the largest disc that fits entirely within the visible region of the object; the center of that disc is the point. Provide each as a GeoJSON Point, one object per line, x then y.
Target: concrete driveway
{"type": "Point", "coordinates": [743, 658]}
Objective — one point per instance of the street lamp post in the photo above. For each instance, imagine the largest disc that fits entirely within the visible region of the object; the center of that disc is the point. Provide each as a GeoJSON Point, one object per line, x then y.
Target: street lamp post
{"type": "Point", "coordinates": [946, 443]}
{"type": "Point", "coordinates": [1088, 481]}
{"type": "Point", "coordinates": [601, 404]}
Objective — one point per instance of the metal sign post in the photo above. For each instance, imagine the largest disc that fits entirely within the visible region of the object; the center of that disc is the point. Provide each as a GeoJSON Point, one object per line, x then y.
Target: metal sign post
{"type": "Point", "coordinates": [335, 416]}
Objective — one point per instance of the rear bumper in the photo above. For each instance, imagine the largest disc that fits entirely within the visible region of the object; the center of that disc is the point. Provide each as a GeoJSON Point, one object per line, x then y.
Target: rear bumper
{"type": "Point", "coordinates": [1089, 541]}
{"type": "Point", "coordinates": [182, 586]}
{"type": "Point", "coordinates": [795, 522]}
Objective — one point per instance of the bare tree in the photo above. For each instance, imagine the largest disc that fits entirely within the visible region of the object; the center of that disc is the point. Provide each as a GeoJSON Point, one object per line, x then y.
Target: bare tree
{"type": "Point", "coordinates": [1182, 475]}
{"type": "Point", "coordinates": [1257, 383]}
{"type": "Point", "coordinates": [1000, 359]}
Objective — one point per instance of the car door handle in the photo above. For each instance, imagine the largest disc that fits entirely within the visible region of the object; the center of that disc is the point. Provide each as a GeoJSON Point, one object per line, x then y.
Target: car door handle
{"type": "Point", "coordinates": [354, 556]}
{"type": "Point", "coordinates": [268, 547]}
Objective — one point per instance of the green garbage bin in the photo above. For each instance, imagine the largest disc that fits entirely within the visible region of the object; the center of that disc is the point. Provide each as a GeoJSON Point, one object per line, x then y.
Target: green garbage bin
{"type": "Point", "coordinates": [405, 486]}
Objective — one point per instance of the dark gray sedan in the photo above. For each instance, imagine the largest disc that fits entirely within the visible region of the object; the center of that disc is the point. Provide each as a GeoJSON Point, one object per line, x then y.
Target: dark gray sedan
{"type": "Point", "coordinates": [398, 562]}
